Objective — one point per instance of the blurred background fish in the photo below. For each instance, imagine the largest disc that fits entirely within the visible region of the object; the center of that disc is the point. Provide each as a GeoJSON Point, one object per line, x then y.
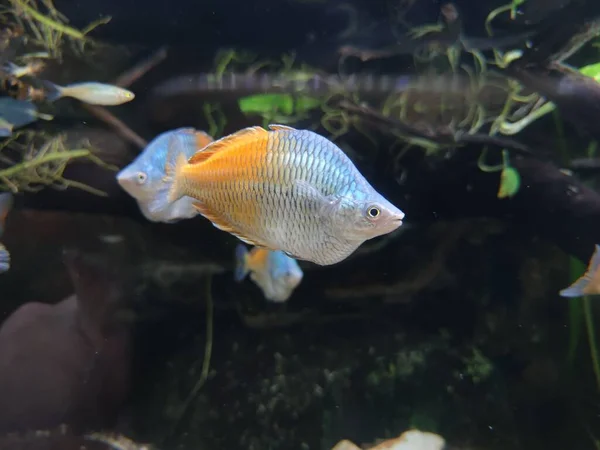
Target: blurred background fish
{"type": "Point", "coordinates": [6, 203]}
{"type": "Point", "coordinates": [142, 177]}
{"type": "Point", "coordinates": [589, 283]}
{"type": "Point", "coordinates": [273, 271]}
{"type": "Point", "coordinates": [91, 93]}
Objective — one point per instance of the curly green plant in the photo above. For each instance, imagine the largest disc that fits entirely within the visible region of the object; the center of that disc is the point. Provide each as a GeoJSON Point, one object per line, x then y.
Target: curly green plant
{"type": "Point", "coordinates": [279, 108]}
{"type": "Point", "coordinates": [510, 180]}
{"type": "Point", "coordinates": [47, 27]}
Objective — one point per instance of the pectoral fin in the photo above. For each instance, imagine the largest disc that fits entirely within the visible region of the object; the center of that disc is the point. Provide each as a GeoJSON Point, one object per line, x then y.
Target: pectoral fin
{"type": "Point", "coordinates": [326, 204]}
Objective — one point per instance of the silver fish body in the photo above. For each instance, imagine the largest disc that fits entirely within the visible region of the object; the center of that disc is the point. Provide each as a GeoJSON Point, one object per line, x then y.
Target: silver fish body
{"type": "Point", "coordinates": [92, 93]}
{"type": "Point", "coordinates": [284, 189]}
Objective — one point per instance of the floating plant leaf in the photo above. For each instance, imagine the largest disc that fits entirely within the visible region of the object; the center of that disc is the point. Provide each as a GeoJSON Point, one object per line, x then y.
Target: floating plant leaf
{"type": "Point", "coordinates": [266, 103]}
{"type": "Point", "coordinates": [283, 103]}
{"type": "Point", "coordinates": [306, 103]}
{"type": "Point", "coordinates": [510, 181]}
{"type": "Point", "coordinates": [591, 70]}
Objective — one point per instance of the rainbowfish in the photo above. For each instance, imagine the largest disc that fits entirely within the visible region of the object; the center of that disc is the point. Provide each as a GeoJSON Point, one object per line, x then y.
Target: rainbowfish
{"type": "Point", "coordinates": [283, 189]}
{"type": "Point", "coordinates": [273, 271]}
{"type": "Point", "coordinates": [142, 177]}
{"type": "Point", "coordinates": [18, 113]}
{"type": "Point", "coordinates": [589, 283]}
{"type": "Point", "coordinates": [90, 92]}
{"type": "Point", "coordinates": [6, 203]}
{"type": "Point", "coordinates": [31, 68]}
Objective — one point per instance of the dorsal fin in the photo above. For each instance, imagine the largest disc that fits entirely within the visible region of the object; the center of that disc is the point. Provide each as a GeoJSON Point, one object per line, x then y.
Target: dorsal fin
{"type": "Point", "coordinates": [277, 127]}
{"type": "Point", "coordinates": [239, 138]}
{"type": "Point", "coordinates": [203, 139]}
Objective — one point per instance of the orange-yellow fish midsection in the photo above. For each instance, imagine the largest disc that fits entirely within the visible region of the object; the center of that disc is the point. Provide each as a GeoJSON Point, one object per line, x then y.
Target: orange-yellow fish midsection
{"type": "Point", "coordinates": [246, 182]}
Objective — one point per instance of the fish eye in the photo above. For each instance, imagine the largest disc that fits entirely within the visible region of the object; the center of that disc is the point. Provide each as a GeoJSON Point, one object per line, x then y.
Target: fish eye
{"type": "Point", "coordinates": [141, 177]}
{"type": "Point", "coordinates": [373, 212]}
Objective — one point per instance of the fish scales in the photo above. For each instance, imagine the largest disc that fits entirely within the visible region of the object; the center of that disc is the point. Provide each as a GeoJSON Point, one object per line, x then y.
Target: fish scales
{"type": "Point", "coordinates": [282, 189]}
{"type": "Point", "coordinates": [258, 183]}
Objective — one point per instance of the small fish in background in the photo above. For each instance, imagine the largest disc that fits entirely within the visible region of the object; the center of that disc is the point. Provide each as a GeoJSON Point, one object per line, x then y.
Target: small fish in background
{"type": "Point", "coordinates": [144, 175]}
{"type": "Point", "coordinates": [283, 189]}
{"type": "Point", "coordinates": [92, 93]}
{"type": "Point", "coordinates": [273, 271]}
{"type": "Point", "coordinates": [16, 114]}
{"type": "Point", "coordinates": [4, 259]}
{"type": "Point", "coordinates": [589, 283]}
{"type": "Point", "coordinates": [6, 203]}
{"type": "Point", "coordinates": [31, 68]}
{"type": "Point", "coordinates": [6, 128]}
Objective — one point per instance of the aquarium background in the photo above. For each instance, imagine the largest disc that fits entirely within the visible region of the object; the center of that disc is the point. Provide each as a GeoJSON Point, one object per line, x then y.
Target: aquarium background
{"type": "Point", "coordinates": [453, 324]}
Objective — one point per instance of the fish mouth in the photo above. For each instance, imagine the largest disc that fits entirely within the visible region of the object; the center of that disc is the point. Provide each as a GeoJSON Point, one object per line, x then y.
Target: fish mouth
{"type": "Point", "coordinates": [127, 183]}
{"type": "Point", "coordinates": [398, 218]}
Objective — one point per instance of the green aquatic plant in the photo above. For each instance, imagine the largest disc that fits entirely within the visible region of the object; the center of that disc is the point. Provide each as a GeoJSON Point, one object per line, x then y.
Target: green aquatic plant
{"type": "Point", "coordinates": [500, 58]}
{"type": "Point", "coordinates": [580, 311]}
{"type": "Point", "coordinates": [591, 70]}
{"type": "Point", "coordinates": [478, 367]}
{"type": "Point", "coordinates": [208, 347]}
{"type": "Point", "coordinates": [215, 117]}
{"type": "Point", "coordinates": [47, 27]}
{"type": "Point", "coordinates": [227, 58]}
{"type": "Point", "coordinates": [510, 180]}
{"type": "Point", "coordinates": [279, 108]}
{"type": "Point", "coordinates": [42, 164]}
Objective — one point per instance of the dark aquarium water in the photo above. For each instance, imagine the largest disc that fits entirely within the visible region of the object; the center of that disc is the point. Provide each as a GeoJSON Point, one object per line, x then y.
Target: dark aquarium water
{"type": "Point", "coordinates": [299, 224]}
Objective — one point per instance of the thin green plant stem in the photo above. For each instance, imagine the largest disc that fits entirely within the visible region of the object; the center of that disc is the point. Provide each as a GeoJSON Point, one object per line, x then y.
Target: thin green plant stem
{"type": "Point", "coordinates": [206, 361]}
{"type": "Point", "coordinates": [70, 154]}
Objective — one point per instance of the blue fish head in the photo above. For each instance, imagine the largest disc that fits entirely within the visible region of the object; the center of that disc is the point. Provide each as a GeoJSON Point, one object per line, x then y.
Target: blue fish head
{"type": "Point", "coordinates": [145, 175]}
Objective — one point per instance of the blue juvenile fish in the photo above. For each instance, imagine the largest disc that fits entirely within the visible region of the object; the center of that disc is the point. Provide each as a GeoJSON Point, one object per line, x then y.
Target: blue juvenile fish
{"type": "Point", "coordinates": [6, 202]}
{"type": "Point", "coordinates": [16, 114]}
{"type": "Point", "coordinates": [273, 271]}
{"type": "Point", "coordinates": [141, 178]}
